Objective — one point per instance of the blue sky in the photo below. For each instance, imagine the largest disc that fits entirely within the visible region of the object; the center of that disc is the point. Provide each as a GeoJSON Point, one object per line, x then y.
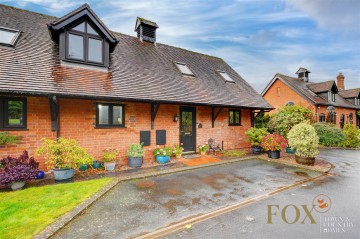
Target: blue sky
{"type": "Point", "coordinates": [258, 38]}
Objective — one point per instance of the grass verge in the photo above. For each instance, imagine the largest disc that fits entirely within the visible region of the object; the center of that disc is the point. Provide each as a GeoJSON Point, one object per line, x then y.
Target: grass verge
{"type": "Point", "coordinates": [25, 213]}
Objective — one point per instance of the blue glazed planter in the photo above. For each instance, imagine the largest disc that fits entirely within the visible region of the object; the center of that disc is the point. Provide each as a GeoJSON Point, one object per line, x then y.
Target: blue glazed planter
{"type": "Point", "coordinates": [40, 174]}
{"type": "Point", "coordinates": [162, 159]}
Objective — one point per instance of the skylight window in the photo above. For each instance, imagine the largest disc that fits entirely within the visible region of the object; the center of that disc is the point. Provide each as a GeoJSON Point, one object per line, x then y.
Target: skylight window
{"type": "Point", "coordinates": [184, 69]}
{"type": "Point", "coordinates": [226, 77]}
{"type": "Point", "coordinates": [8, 36]}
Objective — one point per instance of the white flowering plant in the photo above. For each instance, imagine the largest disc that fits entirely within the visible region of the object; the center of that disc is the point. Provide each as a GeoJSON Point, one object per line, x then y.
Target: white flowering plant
{"type": "Point", "coordinates": [165, 151]}
{"type": "Point", "coordinates": [203, 148]}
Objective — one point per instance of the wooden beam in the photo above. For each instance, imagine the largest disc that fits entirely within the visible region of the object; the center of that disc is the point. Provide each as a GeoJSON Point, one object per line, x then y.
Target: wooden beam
{"type": "Point", "coordinates": [55, 115]}
{"type": "Point", "coordinates": [214, 115]}
{"type": "Point", "coordinates": [154, 110]}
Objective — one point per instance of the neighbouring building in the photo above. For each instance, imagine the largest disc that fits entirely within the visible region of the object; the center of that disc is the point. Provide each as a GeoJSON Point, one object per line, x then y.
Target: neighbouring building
{"type": "Point", "coordinates": [328, 100]}
{"type": "Point", "coordinates": [72, 77]}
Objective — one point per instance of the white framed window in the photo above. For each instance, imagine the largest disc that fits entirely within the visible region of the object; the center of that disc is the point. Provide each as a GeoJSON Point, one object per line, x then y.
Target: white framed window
{"type": "Point", "coordinates": [184, 69]}
{"type": "Point", "coordinates": [331, 96]}
{"type": "Point", "coordinates": [357, 101]}
{"type": "Point", "coordinates": [225, 76]}
{"type": "Point", "coordinates": [8, 36]}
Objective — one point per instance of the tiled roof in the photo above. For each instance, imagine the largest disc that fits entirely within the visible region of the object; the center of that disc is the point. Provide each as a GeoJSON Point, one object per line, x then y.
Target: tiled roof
{"type": "Point", "coordinates": [321, 86]}
{"type": "Point", "coordinates": [303, 89]}
{"type": "Point", "coordinates": [138, 71]}
{"type": "Point", "coordinates": [351, 93]}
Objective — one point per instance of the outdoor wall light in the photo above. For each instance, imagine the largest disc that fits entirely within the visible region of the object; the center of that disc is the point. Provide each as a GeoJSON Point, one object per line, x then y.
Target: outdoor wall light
{"type": "Point", "coordinates": [176, 118]}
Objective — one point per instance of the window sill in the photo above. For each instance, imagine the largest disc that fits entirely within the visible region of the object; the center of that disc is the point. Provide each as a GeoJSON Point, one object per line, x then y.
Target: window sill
{"type": "Point", "coordinates": [110, 127]}
{"type": "Point", "coordinates": [14, 129]}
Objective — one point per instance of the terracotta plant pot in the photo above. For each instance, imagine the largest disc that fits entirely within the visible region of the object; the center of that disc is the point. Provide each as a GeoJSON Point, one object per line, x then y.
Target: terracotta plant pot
{"type": "Point", "coordinates": [304, 160]}
{"type": "Point", "coordinates": [202, 153]}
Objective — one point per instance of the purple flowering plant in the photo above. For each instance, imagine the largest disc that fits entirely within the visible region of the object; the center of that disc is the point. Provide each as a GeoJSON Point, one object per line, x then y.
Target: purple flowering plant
{"type": "Point", "coordinates": [18, 169]}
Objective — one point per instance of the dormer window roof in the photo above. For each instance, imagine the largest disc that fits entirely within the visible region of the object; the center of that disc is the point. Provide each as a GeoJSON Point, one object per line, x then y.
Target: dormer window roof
{"type": "Point", "coordinates": [83, 38]}
{"type": "Point", "coordinates": [226, 77]}
{"type": "Point", "coordinates": [8, 37]}
{"type": "Point", "coordinates": [184, 69]}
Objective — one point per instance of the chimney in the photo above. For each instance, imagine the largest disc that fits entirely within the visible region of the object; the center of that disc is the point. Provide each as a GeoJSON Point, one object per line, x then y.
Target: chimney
{"type": "Point", "coordinates": [303, 74]}
{"type": "Point", "coordinates": [146, 30]}
{"type": "Point", "coordinates": [340, 81]}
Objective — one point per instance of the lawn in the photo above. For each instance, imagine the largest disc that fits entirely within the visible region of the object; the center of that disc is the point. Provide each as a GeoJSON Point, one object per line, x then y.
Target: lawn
{"type": "Point", "coordinates": [25, 213]}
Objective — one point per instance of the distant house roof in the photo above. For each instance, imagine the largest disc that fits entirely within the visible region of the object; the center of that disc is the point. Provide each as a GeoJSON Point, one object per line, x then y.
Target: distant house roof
{"type": "Point", "coordinates": [322, 86]}
{"type": "Point", "coordinates": [139, 71]}
{"type": "Point", "coordinates": [351, 93]}
{"type": "Point", "coordinates": [309, 91]}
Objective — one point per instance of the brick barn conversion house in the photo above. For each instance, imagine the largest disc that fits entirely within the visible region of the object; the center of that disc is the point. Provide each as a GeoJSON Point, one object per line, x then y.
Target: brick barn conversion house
{"type": "Point", "coordinates": [329, 101]}
{"type": "Point", "coordinates": [72, 77]}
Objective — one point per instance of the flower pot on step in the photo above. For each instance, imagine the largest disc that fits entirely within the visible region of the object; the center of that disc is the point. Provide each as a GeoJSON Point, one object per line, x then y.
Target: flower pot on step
{"type": "Point", "coordinates": [135, 162]}
{"type": "Point", "coordinates": [304, 160]}
{"type": "Point", "coordinates": [162, 159]}
{"type": "Point", "coordinates": [17, 185]}
{"type": "Point", "coordinates": [256, 150]}
{"type": "Point", "coordinates": [110, 166]}
{"type": "Point", "coordinates": [274, 154]}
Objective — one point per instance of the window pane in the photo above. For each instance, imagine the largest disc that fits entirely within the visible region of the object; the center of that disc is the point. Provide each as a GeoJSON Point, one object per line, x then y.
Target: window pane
{"type": "Point", "coordinates": [6, 36]}
{"type": "Point", "coordinates": [237, 117]}
{"type": "Point", "coordinates": [76, 47]}
{"type": "Point", "coordinates": [91, 30]}
{"type": "Point", "coordinates": [103, 114]}
{"type": "Point", "coordinates": [80, 27]}
{"type": "Point", "coordinates": [226, 76]}
{"type": "Point", "coordinates": [117, 115]}
{"type": "Point", "coordinates": [15, 113]}
{"type": "Point", "coordinates": [231, 117]}
{"type": "Point", "coordinates": [95, 50]}
{"type": "Point", "coordinates": [184, 69]}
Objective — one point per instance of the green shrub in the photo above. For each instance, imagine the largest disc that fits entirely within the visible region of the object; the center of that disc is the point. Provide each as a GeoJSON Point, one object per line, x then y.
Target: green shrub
{"type": "Point", "coordinates": [109, 155]}
{"type": "Point", "coordinates": [282, 121]}
{"type": "Point", "coordinates": [262, 120]}
{"type": "Point", "coordinates": [135, 151]}
{"type": "Point", "coordinates": [304, 139]}
{"type": "Point", "coordinates": [329, 135]}
{"type": "Point", "coordinates": [255, 135]}
{"type": "Point", "coordinates": [63, 153]}
{"type": "Point", "coordinates": [5, 138]}
{"type": "Point", "coordinates": [352, 136]}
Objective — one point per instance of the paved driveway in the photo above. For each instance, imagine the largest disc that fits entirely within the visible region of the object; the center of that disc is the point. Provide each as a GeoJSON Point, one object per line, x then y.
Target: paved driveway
{"type": "Point", "coordinates": [342, 220]}
{"type": "Point", "coordinates": [135, 207]}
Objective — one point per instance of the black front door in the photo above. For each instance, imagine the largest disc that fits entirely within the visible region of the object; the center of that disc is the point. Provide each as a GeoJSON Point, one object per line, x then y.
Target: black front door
{"type": "Point", "coordinates": [188, 128]}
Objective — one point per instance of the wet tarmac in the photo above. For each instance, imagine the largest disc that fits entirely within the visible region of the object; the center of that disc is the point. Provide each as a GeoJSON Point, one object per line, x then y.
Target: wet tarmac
{"type": "Point", "coordinates": [340, 217]}
{"type": "Point", "coordinates": [136, 207]}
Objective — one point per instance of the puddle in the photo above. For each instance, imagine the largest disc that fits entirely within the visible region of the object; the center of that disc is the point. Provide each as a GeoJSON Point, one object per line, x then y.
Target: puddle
{"type": "Point", "coordinates": [145, 184]}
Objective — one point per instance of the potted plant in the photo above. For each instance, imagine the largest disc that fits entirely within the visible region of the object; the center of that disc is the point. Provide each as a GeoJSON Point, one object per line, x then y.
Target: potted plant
{"type": "Point", "coordinates": [203, 148]}
{"type": "Point", "coordinates": [17, 171]}
{"type": "Point", "coordinates": [273, 143]}
{"type": "Point", "coordinates": [63, 155]}
{"type": "Point", "coordinates": [162, 155]}
{"type": "Point", "coordinates": [304, 139]}
{"type": "Point", "coordinates": [290, 150]}
{"type": "Point", "coordinates": [255, 136]}
{"type": "Point", "coordinates": [135, 155]}
{"type": "Point", "coordinates": [5, 139]}
{"type": "Point", "coordinates": [109, 156]}
{"type": "Point", "coordinates": [96, 164]}
{"type": "Point", "coordinates": [177, 150]}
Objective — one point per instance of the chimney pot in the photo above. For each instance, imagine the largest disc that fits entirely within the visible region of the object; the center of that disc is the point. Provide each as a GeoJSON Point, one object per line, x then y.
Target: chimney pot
{"type": "Point", "coordinates": [340, 81]}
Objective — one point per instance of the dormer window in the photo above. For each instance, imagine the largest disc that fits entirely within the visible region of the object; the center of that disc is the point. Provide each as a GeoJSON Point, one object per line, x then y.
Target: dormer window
{"type": "Point", "coordinates": [184, 69]}
{"type": "Point", "coordinates": [85, 44]}
{"type": "Point", "coordinates": [226, 77]}
{"type": "Point", "coordinates": [8, 37]}
{"type": "Point", "coordinates": [331, 96]}
{"type": "Point", "coordinates": [357, 101]}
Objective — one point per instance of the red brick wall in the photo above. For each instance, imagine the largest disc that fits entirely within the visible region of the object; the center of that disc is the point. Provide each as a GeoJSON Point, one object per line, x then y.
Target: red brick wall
{"type": "Point", "coordinates": [338, 112]}
{"type": "Point", "coordinates": [38, 124]}
{"type": "Point", "coordinates": [77, 121]}
{"type": "Point", "coordinates": [279, 94]}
